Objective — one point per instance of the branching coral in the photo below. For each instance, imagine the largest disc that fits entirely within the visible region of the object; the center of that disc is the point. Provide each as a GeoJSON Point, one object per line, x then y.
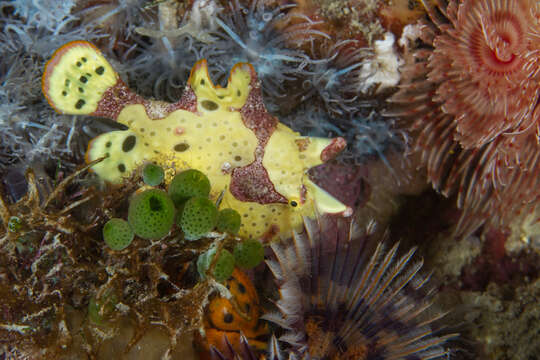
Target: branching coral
{"type": "Point", "coordinates": [471, 92]}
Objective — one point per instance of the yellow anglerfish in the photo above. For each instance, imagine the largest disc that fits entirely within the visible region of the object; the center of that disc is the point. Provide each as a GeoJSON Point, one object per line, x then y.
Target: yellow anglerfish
{"type": "Point", "coordinates": [259, 163]}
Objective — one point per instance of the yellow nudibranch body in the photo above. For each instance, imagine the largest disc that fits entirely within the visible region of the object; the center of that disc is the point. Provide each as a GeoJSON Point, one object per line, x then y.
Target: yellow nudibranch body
{"type": "Point", "coordinates": [224, 132]}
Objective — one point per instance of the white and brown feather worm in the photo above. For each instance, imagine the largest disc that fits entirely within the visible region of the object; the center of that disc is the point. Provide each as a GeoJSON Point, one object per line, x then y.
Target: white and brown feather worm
{"type": "Point", "coordinates": [340, 299]}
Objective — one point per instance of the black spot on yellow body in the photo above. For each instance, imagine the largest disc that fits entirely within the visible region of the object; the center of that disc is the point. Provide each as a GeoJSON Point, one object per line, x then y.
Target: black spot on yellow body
{"type": "Point", "coordinates": [83, 79]}
{"type": "Point", "coordinates": [209, 105]}
{"type": "Point", "coordinates": [64, 93]}
{"type": "Point", "coordinates": [100, 70]}
{"type": "Point", "coordinates": [181, 147]}
{"type": "Point", "coordinates": [79, 64]}
{"type": "Point", "coordinates": [129, 143]}
{"type": "Point", "coordinates": [108, 144]}
{"type": "Point", "coordinates": [81, 90]}
{"type": "Point", "coordinates": [121, 168]}
{"type": "Point", "coordinates": [79, 104]}
{"type": "Point", "coordinates": [83, 59]}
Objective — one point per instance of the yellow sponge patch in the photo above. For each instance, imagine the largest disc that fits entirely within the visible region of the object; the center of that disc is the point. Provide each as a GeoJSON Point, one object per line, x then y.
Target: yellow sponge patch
{"type": "Point", "coordinates": [288, 156]}
{"type": "Point", "coordinates": [322, 200]}
{"type": "Point", "coordinates": [216, 137]}
{"type": "Point", "coordinates": [76, 77]}
{"type": "Point", "coordinates": [257, 219]}
{"type": "Point", "coordinates": [210, 97]}
{"type": "Point", "coordinates": [213, 143]}
{"type": "Point", "coordinates": [123, 150]}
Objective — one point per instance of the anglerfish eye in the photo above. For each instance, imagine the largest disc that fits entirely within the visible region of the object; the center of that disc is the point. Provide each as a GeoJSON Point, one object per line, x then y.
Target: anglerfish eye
{"type": "Point", "coordinates": [294, 203]}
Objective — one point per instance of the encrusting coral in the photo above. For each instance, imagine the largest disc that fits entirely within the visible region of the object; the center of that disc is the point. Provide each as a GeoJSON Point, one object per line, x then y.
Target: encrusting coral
{"type": "Point", "coordinates": [471, 91]}
{"type": "Point", "coordinates": [259, 163]}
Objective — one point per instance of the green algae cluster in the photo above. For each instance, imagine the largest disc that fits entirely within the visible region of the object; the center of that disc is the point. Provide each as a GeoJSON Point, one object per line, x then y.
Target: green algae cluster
{"type": "Point", "coordinates": [224, 264]}
{"type": "Point", "coordinates": [198, 215]}
{"type": "Point", "coordinates": [153, 212]}
{"type": "Point", "coordinates": [188, 184]}
{"type": "Point", "coordinates": [246, 254]}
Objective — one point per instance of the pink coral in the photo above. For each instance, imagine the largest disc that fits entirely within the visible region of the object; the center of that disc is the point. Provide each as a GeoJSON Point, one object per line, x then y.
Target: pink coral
{"type": "Point", "coordinates": [471, 92]}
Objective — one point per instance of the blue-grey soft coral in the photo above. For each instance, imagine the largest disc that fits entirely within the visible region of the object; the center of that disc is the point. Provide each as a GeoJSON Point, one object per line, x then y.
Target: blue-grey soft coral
{"type": "Point", "coordinates": [367, 133]}
{"type": "Point", "coordinates": [336, 78]}
{"type": "Point", "coordinates": [160, 68]}
{"type": "Point", "coordinates": [40, 13]}
{"type": "Point", "coordinates": [269, 39]}
{"type": "Point", "coordinates": [117, 18]}
{"type": "Point", "coordinates": [159, 60]}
